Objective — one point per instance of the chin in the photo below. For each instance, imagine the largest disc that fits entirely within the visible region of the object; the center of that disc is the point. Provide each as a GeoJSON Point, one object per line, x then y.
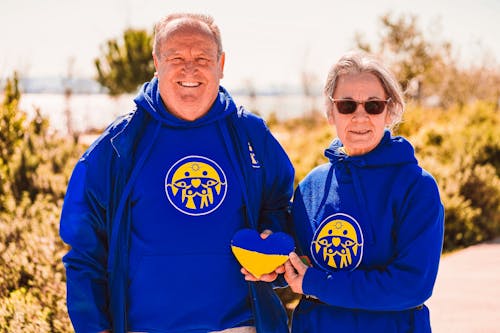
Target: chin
{"type": "Point", "coordinates": [359, 150]}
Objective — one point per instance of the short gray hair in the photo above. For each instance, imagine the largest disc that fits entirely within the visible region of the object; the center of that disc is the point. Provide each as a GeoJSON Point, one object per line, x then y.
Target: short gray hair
{"type": "Point", "coordinates": [200, 18]}
{"type": "Point", "coordinates": [355, 62]}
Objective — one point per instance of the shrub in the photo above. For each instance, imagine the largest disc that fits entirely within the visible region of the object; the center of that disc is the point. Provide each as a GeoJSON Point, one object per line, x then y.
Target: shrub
{"type": "Point", "coordinates": [34, 170]}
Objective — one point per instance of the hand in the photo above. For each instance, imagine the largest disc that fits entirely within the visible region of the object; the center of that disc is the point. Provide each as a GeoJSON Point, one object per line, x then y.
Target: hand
{"type": "Point", "coordinates": [270, 277]}
{"type": "Point", "coordinates": [295, 270]}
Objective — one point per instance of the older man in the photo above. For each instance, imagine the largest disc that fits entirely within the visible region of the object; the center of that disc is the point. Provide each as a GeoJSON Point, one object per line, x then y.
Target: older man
{"type": "Point", "coordinates": [152, 206]}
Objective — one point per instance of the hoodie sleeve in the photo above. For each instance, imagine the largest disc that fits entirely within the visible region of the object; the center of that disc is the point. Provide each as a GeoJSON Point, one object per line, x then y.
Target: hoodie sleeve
{"type": "Point", "coordinates": [82, 227]}
{"type": "Point", "coordinates": [278, 186]}
{"type": "Point", "coordinates": [407, 280]}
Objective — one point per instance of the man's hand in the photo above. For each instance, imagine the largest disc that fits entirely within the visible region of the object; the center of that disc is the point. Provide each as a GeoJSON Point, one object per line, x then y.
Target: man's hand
{"type": "Point", "coordinates": [264, 277]}
{"type": "Point", "coordinates": [295, 270]}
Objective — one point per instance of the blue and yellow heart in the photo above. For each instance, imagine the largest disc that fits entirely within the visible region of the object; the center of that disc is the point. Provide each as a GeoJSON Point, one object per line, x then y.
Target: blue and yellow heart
{"type": "Point", "coordinates": [261, 256]}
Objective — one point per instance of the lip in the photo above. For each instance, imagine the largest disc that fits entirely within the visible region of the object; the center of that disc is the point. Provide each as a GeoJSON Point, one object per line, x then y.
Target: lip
{"type": "Point", "coordinates": [189, 84]}
{"type": "Point", "coordinates": [360, 132]}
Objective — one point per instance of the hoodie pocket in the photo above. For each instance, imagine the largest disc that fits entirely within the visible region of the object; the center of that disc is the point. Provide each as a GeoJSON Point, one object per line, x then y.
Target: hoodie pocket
{"type": "Point", "coordinates": [168, 291]}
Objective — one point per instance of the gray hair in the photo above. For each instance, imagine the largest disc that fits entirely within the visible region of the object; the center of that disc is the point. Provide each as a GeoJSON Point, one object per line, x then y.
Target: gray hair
{"type": "Point", "coordinates": [160, 31]}
{"type": "Point", "coordinates": [355, 62]}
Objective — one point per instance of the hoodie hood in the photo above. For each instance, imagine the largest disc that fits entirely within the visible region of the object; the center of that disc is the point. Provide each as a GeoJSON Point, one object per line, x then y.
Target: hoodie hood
{"type": "Point", "coordinates": [149, 99]}
{"type": "Point", "coordinates": [390, 151]}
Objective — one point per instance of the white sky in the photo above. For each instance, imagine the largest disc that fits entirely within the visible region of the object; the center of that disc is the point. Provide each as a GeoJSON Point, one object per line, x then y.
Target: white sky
{"type": "Point", "coordinates": [268, 43]}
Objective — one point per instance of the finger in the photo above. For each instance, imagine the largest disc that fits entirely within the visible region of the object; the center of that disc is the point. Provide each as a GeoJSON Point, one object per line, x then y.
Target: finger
{"type": "Point", "coordinates": [290, 275]}
{"type": "Point", "coordinates": [280, 269]}
{"type": "Point", "coordinates": [250, 277]}
{"type": "Point", "coordinates": [297, 263]}
{"type": "Point", "coordinates": [264, 234]}
{"type": "Point", "coordinates": [244, 271]}
{"type": "Point", "coordinates": [289, 270]}
{"type": "Point", "coordinates": [269, 277]}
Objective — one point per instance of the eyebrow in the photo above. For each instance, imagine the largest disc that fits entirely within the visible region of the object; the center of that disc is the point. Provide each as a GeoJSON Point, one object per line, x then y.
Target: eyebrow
{"type": "Point", "coordinates": [369, 98]}
{"type": "Point", "coordinates": [174, 51]}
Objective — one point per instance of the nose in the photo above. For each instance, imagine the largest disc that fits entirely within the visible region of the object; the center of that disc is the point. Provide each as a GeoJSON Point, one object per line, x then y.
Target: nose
{"type": "Point", "coordinates": [360, 112]}
{"type": "Point", "coordinates": [189, 66]}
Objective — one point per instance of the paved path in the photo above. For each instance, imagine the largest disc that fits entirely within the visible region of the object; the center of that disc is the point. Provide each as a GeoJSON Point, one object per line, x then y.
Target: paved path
{"type": "Point", "coordinates": [466, 296]}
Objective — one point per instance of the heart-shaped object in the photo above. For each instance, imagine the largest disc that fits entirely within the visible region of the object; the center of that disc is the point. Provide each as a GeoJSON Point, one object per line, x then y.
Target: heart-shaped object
{"type": "Point", "coordinates": [261, 256]}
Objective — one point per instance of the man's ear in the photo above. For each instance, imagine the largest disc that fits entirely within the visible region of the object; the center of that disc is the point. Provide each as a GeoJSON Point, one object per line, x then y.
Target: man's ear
{"type": "Point", "coordinates": [155, 60]}
{"type": "Point", "coordinates": [221, 64]}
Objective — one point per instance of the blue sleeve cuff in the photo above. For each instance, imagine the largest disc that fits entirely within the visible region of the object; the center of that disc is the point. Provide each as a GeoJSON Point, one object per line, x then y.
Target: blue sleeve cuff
{"type": "Point", "coordinates": [313, 280]}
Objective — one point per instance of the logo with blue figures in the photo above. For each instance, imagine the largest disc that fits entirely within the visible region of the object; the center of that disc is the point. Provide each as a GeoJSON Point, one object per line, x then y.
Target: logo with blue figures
{"type": "Point", "coordinates": [337, 244]}
{"type": "Point", "coordinates": [195, 185]}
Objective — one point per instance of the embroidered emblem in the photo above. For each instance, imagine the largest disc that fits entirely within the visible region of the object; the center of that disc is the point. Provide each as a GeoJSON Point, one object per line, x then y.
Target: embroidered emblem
{"type": "Point", "coordinates": [195, 185]}
{"type": "Point", "coordinates": [255, 162]}
{"type": "Point", "coordinates": [337, 244]}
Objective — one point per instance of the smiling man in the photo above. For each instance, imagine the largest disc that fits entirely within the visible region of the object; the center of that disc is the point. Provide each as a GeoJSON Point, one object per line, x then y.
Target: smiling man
{"type": "Point", "coordinates": [152, 206]}
{"type": "Point", "coordinates": [189, 65]}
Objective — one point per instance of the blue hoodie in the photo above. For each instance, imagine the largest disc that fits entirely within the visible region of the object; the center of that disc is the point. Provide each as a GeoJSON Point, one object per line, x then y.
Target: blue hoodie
{"type": "Point", "coordinates": [150, 211]}
{"type": "Point", "coordinates": [372, 226]}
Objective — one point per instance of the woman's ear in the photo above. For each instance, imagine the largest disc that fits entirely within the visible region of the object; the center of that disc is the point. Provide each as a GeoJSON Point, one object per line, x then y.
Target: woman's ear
{"type": "Point", "coordinates": [390, 115]}
{"type": "Point", "coordinates": [330, 117]}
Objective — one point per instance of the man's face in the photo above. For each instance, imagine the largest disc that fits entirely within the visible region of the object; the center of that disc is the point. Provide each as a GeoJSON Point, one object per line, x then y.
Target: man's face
{"type": "Point", "coordinates": [188, 70]}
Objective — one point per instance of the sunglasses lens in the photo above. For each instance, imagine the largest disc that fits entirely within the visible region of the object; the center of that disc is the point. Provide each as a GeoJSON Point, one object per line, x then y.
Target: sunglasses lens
{"type": "Point", "coordinates": [349, 106]}
{"type": "Point", "coordinates": [346, 107]}
{"type": "Point", "coordinates": [374, 107]}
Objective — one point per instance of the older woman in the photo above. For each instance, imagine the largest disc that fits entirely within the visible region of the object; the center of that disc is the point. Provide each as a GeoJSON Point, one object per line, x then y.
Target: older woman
{"type": "Point", "coordinates": [370, 220]}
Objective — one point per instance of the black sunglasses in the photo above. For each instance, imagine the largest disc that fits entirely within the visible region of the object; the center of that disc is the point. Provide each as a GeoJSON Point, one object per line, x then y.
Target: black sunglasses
{"type": "Point", "coordinates": [348, 106]}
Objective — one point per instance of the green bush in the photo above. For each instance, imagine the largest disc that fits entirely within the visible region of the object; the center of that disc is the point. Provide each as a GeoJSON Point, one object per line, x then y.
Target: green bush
{"type": "Point", "coordinates": [34, 169]}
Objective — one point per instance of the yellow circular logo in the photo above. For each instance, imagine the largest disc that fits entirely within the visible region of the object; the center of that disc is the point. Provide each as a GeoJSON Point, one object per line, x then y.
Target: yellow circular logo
{"type": "Point", "coordinates": [337, 244]}
{"type": "Point", "coordinates": [196, 185]}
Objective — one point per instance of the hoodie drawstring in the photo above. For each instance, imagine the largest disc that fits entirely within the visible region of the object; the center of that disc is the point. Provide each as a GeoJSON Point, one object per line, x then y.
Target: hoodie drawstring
{"type": "Point", "coordinates": [326, 192]}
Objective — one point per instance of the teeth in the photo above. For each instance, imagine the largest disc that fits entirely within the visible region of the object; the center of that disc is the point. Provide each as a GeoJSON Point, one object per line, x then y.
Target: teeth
{"type": "Point", "coordinates": [189, 84]}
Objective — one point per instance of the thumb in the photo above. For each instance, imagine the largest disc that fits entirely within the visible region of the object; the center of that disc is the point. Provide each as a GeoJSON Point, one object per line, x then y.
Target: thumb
{"type": "Point", "coordinates": [264, 234]}
{"type": "Point", "coordinates": [297, 263]}
{"type": "Point", "coordinates": [289, 270]}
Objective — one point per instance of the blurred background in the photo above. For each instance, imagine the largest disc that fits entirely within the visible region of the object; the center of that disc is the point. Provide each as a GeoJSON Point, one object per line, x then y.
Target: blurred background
{"type": "Point", "coordinates": [69, 67]}
{"type": "Point", "coordinates": [276, 50]}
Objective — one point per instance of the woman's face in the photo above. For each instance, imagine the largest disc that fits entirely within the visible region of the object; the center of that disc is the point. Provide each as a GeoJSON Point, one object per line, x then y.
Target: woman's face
{"type": "Point", "coordinates": [359, 131]}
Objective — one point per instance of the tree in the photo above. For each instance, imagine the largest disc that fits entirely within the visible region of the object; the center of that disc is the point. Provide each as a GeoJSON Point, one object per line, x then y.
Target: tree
{"type": "Point", "coordinates": [127, 63]}
{"type": "Point", "coordinates": [426, 67]}
{"type": "Point", "coordinates": [412, 56]}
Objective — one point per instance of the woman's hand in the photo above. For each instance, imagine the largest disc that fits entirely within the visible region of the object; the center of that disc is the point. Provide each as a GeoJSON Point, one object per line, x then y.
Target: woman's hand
{"type": "Point", "coordinates": [270, 277]}
{"type": "Point", "coordinates": [295, 270]}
